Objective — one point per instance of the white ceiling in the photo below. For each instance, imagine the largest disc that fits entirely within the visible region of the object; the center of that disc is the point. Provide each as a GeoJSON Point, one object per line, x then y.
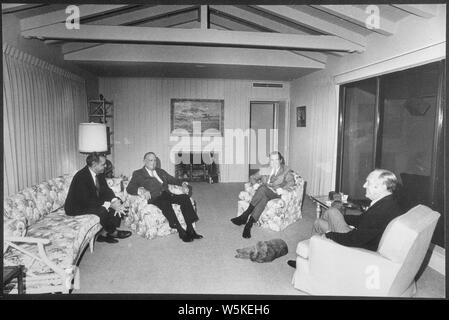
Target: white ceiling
{"type": "Point", "coordinates": [215, 41]}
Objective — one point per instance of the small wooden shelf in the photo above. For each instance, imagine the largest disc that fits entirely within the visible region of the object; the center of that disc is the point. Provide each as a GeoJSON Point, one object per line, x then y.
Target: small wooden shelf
{"type": "Point", "coordinates": [101, 111]}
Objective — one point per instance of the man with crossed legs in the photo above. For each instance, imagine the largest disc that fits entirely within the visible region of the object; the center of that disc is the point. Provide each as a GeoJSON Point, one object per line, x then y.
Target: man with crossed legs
{"type": "Point", "coordinates": [364, 230]}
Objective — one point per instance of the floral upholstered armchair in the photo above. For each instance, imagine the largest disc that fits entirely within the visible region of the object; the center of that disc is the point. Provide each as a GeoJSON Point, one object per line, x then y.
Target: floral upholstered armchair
{"type": "Point", "coordinates": [279, 213]}
{"type": "Point", "coordinates": [146, 219]}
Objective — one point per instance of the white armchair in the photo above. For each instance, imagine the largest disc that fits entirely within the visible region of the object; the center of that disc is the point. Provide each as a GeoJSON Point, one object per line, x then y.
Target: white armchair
{"type": "Point", "coordinates": [324, 267]}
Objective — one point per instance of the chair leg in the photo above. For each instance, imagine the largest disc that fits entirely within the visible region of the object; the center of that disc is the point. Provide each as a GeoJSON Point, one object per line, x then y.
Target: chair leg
{"type": "Point", "coordinates": [76, 281]}
{"type": "Point", "coordinates": [91, 244]}
{"type": "Point", "coordinates": [414, 289]}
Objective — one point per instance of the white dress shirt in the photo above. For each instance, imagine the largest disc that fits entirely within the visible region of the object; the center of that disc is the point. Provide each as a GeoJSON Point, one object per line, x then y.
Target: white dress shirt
{"type": "Point", "coordinates": [153, 174]}
{"type": "Point", "coordinates": [273, 173]}
{"type": "Point", "coordinates": [106, 204]}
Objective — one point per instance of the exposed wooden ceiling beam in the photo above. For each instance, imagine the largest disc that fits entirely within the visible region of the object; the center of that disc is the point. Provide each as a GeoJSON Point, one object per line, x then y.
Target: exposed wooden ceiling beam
{"type": "Point", "coordinates": [268, 24]}
{"type": "Point", "coordinates": [61, 16]}
{"type": "Point", "coordinates": [187, 19]}
{"type": "Point", "coordinates": [232, 25]}
{"type": "Point", "coordinates": [193, 37]}
{"type": "Point", "coordinates": [193, 54]}
{"type": "Point", "coordinates": [142, 15]}
{"type": "Point", "coordinates": [256, 19]}
{"type": "Point", "coordinates": [421, 10]}
{"type": "Point", "coordinates": [172, 20]}
{"type": "Point", "coordinates": [313, 23]}
{"type": "Point", "coordinates": [204, 17]}
{"type": "Point", "coordinates": [14, 7]}
{"type": "Point", "coordinates": [358, 16]}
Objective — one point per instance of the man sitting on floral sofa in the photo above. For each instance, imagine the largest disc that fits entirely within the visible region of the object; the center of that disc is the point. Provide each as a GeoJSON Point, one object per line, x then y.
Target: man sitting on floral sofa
{"type": "Point", "coordinates": [154, 182]}
{"type": "Point", "coordinates": [274, 181]}
{"type": "Point", "coordinates": [89, 193]}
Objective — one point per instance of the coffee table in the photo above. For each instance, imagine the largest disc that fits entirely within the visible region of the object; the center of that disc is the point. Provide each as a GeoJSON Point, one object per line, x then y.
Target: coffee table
{"type": "Point", "coordinates": [323, 202]}
{"type": "Point", "coordinates": [11, 272]}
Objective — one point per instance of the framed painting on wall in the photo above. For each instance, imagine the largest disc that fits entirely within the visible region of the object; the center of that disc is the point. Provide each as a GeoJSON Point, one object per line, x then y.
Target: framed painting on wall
{"type": "Point", "coordinates": [301, 116]}
{"type": "Point", "coordinates": [197, 116]}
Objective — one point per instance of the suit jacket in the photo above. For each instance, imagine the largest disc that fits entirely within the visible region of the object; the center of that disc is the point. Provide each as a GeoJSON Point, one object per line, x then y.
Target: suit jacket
{"type": "Point", "coordinates": [369, 226]}
{"type": "Point", "coordinates": [141, 178]}
{"type": "Point", "coordinates": [283, 179]}
{"type": "Point", "coordinates": [83, 193]}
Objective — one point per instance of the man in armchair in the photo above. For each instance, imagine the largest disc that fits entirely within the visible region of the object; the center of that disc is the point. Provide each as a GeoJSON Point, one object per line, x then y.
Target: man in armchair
{"type": "Point", "coordinates": [364, 230]}
{"type": "Point", "coordinates": [153, 182]}
{"type": "Point", "coordinates": [274, 181]}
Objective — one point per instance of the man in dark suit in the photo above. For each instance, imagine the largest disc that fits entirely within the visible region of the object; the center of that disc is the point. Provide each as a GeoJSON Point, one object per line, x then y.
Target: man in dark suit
{"type": "Point", "coordinates": [364, 230]}
{"type": "Point", "coordinates": [273, 182]}
{"type": "Point", "coordinates": [90, 194]}
{"type": "Point", "coordinates": [153, 182]}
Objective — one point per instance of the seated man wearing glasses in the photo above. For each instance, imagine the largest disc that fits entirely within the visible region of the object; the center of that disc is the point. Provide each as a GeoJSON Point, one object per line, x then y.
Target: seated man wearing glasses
{"type": "Point", "coordinates": [155, 181]}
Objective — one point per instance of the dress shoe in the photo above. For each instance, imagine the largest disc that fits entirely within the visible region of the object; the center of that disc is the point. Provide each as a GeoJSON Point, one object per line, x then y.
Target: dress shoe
{"type": "Point", "coordinates": [194, 235]}
{"type": "Point", "coordinates": [107, 239]}
{"type": "Point", "coordinates": [184, 236]}
{"type": "Point", "coordinates": [238, 221]}
{"type": "Point", "coordinates": [292, 263]}
{"type": "Point", "coordinates": [121, 234]}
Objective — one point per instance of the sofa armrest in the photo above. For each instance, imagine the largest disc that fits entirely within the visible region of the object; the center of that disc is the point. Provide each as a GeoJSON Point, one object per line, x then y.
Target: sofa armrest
{"type": "Point", "coordinates": [349, 270]}
{"type": "Point", "coordinates": [40, 242]}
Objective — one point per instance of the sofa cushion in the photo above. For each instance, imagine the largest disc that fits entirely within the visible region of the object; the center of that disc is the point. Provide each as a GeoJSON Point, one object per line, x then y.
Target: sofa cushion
{"type": "Point", "coordinates": [21, 206]}
{"type": "Point", "coordinates": [59, 189]}
{"type": "Point", "coordinates": [35, 202]}
{"type": "Point", "coordinates": [66, 235]}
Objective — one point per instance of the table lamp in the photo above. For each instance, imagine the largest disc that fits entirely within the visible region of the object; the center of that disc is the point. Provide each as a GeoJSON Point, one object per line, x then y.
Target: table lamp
{"type": "Point", "coordinates": [92, 138]}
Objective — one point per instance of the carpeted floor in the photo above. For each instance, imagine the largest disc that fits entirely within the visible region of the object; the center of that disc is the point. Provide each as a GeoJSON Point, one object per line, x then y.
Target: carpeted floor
{"type": "Point", "coordinates": [166, 265]}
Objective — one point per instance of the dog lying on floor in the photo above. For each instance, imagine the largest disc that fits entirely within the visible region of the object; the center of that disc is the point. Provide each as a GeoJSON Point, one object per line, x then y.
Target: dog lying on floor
{"type": "Point", "coordinates": [264, 251]}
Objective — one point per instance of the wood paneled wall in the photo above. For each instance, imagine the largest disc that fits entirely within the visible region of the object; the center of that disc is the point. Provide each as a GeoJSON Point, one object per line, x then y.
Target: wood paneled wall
{"type": "Point", "coordinates": [142, 115]}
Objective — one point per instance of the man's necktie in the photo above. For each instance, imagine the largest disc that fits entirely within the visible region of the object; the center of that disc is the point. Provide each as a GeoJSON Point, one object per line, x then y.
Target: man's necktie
{"type": "Point", "coordinates": [97, 185]}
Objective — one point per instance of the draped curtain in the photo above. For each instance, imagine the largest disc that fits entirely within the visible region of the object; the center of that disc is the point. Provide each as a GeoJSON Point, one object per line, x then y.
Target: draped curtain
{"type": "Point", "coordinates": [313, 148]}
{"type": "Point", "coordinates": [324, 131]}
{"type": "Point", "coordinates": [42, 107]}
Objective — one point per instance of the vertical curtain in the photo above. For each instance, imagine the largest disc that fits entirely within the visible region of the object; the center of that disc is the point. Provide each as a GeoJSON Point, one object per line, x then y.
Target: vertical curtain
{"type": "Point", "coordinates": [313, 148]}
{"type": "Point", "coordinates": [42, 107]}
{"type": "Point", "coordinates": [324, 114]}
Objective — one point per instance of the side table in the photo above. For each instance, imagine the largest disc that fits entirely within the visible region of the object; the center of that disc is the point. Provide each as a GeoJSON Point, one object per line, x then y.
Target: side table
{"type": "Point", "coordinates": [323, 202]}
{"type": "Point", "coordinates": [11, 272]}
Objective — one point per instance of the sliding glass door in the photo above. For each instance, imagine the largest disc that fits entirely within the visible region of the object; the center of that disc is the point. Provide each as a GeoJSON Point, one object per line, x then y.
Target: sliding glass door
{"type": "Point", "coordinates": [358, 136]}
{"type": "Point", "coordinates": [408, 108]}
{"type": "Point", "coordinates": [395, 122]}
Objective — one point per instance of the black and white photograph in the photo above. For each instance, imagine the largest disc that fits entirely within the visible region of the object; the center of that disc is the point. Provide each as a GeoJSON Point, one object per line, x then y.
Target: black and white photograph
{"type": "Point", "coordinates": [204, 151]}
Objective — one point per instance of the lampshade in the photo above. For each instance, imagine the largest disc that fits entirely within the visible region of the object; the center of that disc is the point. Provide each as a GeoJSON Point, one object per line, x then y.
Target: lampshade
{"type": "Point", "coordinates": [92, 137]}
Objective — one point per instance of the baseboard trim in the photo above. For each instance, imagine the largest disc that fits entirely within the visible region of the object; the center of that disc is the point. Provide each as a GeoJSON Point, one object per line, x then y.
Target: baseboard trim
{"type": "Point", "coordinates": [438, 260]}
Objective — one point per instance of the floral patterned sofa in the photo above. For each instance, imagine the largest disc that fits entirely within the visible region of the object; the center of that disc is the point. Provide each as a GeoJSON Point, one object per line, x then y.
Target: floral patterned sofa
{"type": "Point", "coordinates": [41, 237]}
{"type": "Point", "coordinates": [279, 213]}
{"type": "Point", "coordinates": [146, 219]}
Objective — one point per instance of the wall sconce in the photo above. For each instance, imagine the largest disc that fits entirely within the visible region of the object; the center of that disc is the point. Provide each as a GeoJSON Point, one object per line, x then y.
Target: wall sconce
{"type": "Point", "coordinates": [92, 138]}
